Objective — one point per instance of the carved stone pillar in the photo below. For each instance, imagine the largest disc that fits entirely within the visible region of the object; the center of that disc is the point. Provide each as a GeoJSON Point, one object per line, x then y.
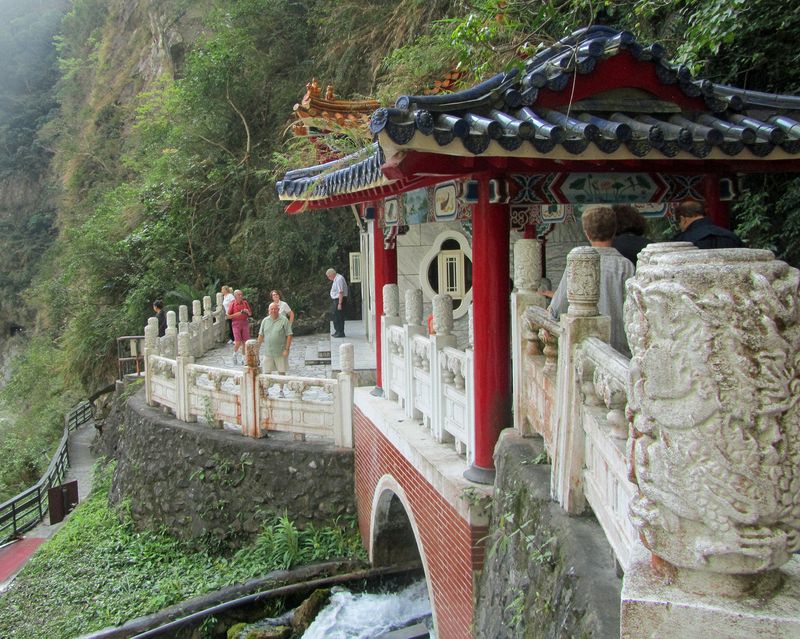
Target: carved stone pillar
{"type": "Point", "coordinates": [443, 315]}
{"type": "Point", "coordinates": [391, 300]}
{"type": "Point", "coordinates": [414, 307]}
{"type": "Point", "coordinates": [183, 314]}
{"type": "Point", "coordinates": [527, 265]}
{"type": "Point", "coordinates": [249, 391]}
{"type": "Point", "coordinates": [343, 404]}
{"type": "Point", "coordinates": [716, 337]}
{"type": "Point", "coordinates": [347, 358]}
{"type": "Point", "coordinates": [713, 386]}
{"type": "Point", "coordinates": [183, 359]}
{"type": "Point", "coordinates": [169, 343]}
{"type": "Point", "coordinates": [151, 347]}
{"type": "Point", "coordinates": [581, 320]}
{"type": "Point", "coordinates": [527, 277]}
{"type": "Point", "coordinates": [583, 281]}
{"type": "Point", "coordinates": [390, 317]}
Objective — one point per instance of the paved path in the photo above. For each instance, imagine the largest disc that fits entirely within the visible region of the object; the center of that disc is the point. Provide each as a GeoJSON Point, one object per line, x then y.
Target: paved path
{"type": "Point", "coordinates": [14, 555]}
{"type": "Point", "coordinates": [364, 352]}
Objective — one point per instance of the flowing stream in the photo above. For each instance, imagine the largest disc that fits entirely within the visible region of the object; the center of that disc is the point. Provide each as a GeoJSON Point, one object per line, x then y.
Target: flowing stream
{"type": "Point", "coordinates": [366, 616]}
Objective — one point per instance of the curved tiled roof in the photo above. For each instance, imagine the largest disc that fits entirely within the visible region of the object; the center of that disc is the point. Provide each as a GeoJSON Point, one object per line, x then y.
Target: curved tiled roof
{"type": "Point", "coordinates": [510, 111]}
{"type": "Point", "coordinates": [635, 106]}
{"type": "Point", "coordinates": [356, 172]}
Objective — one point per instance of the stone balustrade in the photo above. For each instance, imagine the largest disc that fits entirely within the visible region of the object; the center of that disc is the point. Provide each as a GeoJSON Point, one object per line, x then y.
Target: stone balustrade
{"type": "Point", "coordinates": [426, 374]}
{"type": "Point", "coordinates": [689, 452]}
{"type": "Point", "coordinates": [254, 402]}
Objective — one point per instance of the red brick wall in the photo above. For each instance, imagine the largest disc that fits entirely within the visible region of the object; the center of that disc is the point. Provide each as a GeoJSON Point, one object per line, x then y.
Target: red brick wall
{"type": "Point", "coordinates": [450, 547]}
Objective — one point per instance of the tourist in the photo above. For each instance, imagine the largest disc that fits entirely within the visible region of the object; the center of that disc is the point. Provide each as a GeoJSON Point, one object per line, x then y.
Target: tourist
{"type": "Point", "coordinates": [631, 227]}
{"type": "Point", "coordinates": [699, 230]}
{"type": "Point", "coordinates": [283, 307]}
{"type": "Point", "coordinates": [227, 298]}
{"type": "Point", "coordinates": [277, 331]}
{"type": "Point", "coordinates": [338, 301]}
{"type": "Point", "coordinates": [158, 307]}
{"type": "Point", "coordinates": [599, 224]}
{"type": "Point", "coordinates": [239, 312]}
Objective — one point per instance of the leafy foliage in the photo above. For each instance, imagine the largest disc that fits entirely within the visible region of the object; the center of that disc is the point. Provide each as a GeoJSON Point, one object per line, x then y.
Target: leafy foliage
{"type": "Point", "coordinates": [99, 557]}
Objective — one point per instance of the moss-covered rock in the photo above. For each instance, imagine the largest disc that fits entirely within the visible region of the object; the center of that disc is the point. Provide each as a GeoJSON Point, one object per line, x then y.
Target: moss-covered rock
{"type": "Point", "coordinates": [307, 611]}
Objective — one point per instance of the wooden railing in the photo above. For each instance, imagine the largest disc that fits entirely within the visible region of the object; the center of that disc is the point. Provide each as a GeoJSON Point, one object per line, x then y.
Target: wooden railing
{"type": "Point", "coordinates": [130, 355]}
{"type": "Point", "coordinates": [25, 510]}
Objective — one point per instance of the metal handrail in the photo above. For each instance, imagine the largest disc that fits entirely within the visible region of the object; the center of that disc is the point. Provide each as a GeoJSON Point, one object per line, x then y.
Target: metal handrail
{"type": "Point", "coordinates": [25, 510]}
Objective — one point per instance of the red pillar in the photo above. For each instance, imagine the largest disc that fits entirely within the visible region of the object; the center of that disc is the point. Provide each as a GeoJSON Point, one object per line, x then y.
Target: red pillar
{"type": "Point", "coordinates": [385, 273]}
{"type": "Point", "coordinates": [715, 208]}
{"type": "Point", "coordinates": [491, 329]}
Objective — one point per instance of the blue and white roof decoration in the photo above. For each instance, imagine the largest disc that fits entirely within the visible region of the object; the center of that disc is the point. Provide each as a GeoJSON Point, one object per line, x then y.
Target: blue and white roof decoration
{"type": "Point", "coordinates": [596, 96]}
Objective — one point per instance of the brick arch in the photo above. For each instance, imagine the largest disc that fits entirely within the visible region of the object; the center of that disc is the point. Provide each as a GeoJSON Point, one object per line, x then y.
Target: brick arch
{"type": "Point", "coordinates": [393, 536]}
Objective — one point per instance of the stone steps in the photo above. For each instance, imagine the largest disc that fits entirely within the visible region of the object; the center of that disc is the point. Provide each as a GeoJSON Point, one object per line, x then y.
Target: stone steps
{"type": "Point", "coordinates": [318, 354]}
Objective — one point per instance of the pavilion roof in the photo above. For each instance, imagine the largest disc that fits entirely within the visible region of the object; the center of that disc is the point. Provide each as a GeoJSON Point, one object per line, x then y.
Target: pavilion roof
{"type": "Point", "coordinates": [596, 96]}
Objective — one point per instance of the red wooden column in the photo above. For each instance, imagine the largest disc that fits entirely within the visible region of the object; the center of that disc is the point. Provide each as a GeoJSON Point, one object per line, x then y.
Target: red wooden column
{"type": "Point", "coordinates": [385, 273]}
{"type": "Point", "coordinates": [491, 329]}
{"type": "Point", "coordinates": [715, 208]}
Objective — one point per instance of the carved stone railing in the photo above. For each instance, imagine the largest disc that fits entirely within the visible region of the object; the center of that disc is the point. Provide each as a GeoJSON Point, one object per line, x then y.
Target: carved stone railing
{"type": "Point", "coordinates": [256, 403]}
{"type": "Point", "coordinates": [539, 355]}
{"type": "Point", "coordinates": [689, 452]}
{"type": "Point", "coordinates": [602, 376]}
{"type": "Point", "coordinates": [206, 329]}
{"type": "Point", "coordinates": [426, 374]}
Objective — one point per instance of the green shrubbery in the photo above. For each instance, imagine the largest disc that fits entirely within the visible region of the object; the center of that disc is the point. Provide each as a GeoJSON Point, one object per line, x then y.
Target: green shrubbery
{"type": "Point", "coordinates": [99, 571]}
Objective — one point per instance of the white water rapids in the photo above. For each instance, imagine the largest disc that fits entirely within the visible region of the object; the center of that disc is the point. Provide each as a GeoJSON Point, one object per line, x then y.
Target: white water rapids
{"type": "Point", "coordinates": [366, 616]}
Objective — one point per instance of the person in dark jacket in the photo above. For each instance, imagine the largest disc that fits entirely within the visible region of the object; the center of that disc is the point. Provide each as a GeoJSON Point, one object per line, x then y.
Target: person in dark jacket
{"type": "Point", "coordinates": [158, 307]}
{"type": "Point", "coordinates": [699, 230]}
{"type": "Point", "coordinates": [631, 227]}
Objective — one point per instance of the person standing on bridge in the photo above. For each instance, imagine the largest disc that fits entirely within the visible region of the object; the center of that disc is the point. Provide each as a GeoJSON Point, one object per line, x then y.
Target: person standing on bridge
{"type": "Point", "coordinates": [338, 301]}
{"type": "Point", "coordinates": [277, 331]}
{"type": "Point", "coordinates": [599, 224]}
{"type": "Point", "coordinates": [158, 307]}
{"type": "Point", "coordinates": [239, 312]}
{"type": "Point", "coordinates": [699, 230]}
{"type": "Point", "coordinates": [283, 308]}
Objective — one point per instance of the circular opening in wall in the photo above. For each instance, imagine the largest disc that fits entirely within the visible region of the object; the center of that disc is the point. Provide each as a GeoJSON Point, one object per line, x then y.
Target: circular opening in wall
{"type": "Point", "coordinates": [447, 269]}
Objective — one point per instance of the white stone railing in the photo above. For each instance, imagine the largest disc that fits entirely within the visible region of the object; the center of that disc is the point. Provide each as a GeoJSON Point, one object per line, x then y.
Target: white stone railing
{"type": "Point", "coordinates": [426, 374]}
{"type": "Point", "coordinates": [601, 375]}
{"type": "Point", "coordinates": [206, 329]}
{"type": "Point", "coordinates": [256, 403]}
{"type": "Point", "coordinates": [687, 453]}
{"type": "Point", "coordinates": [572, 392]}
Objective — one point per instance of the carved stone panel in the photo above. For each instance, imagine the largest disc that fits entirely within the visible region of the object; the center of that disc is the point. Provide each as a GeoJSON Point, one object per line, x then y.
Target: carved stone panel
{"type": "Point", "coordinates": [714, 385]}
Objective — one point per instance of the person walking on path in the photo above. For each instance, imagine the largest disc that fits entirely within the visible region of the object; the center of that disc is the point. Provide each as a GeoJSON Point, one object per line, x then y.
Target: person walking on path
{"type": "Point", "coordinates": [158, 307]}
{"type": "Point", "coordinates": [227, 298]}
{"type": "Point", "coordinates": [338, 301]}
{"type": "Point", "coordinates": [699, 230]}
{"type": "Point", "coordinates": [239, 312]}
{"type": "Point", "coordinates": [283, 308]}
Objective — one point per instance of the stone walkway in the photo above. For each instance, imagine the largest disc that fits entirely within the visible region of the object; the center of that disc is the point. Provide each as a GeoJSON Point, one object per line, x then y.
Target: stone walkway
{"type": "Point", "coordinates": [14, 555]}
{"type": "Point", "coordinates": [306, 350]}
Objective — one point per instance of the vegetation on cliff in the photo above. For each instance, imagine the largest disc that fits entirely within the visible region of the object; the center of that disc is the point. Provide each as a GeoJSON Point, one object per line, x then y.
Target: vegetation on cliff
{"type": "Point", "coordinates": [123, 573]}
{"type": "Point", "coordinates": [170, 127]}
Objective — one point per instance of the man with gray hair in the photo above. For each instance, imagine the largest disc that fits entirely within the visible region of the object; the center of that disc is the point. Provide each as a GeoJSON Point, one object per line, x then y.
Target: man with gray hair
{"type": "Point", "coordinates": [699, 230]}
{"type": "Point", "coordinates": [600, 224]}
{"type": "Point", "coordinates": [277, 331]}
{"type": "Point", "coordinates": [338, 301]}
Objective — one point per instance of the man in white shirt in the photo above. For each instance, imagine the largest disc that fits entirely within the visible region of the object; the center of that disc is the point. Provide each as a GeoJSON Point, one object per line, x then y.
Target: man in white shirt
{"type": "Point", "coordinates": [338, 301]}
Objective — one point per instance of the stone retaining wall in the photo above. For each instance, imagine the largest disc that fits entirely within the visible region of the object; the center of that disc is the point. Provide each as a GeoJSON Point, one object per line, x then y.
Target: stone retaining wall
{"type": "Point", "coordinates": [546, 574]}
{"type": "Point", "coordinates": [198, 481]}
